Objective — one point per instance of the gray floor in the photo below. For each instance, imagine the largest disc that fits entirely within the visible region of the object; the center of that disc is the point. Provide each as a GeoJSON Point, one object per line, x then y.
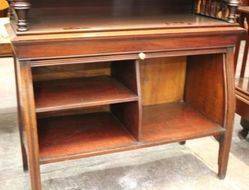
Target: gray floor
{"type": "Point", "coordinates": [192, 166]}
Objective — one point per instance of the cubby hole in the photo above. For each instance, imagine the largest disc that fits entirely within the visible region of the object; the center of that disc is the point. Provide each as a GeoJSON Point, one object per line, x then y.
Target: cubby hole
{"type": "Point", "coordinates": [85, 85]}
{"type": "Point", "coordinates": [182, 97]}
{"type": "Point", "coordinates": [85, 109]}
{"type": "Point", "coordinates": [84, 132]}
{"type": "Point", "coordinates": [96, 108]}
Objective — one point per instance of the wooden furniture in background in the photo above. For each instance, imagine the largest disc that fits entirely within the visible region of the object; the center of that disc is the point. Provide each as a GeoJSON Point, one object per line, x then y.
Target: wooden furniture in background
{"type": "Point", "coordinates": [3, 8]}
{"type": "Point", "coordinates": [220, 9]}
{"type": "Point", "coordinates": [98, 77]}
{"type": "Point", "coordinates": [5, 49]}
{"type": "Point", "coordinates": [242, 82]}
{"type": "Point", "coordinates": [5, 45]}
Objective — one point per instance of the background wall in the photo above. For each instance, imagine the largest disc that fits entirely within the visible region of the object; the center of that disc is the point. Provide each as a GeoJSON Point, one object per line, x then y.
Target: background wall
{"type": "Point", "coordinates": [7, 77]}
{"type": "Point", "coordinates": [7, 84]}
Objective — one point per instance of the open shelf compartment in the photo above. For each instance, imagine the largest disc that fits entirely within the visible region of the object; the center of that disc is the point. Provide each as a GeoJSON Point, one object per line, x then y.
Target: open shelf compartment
{"type": "Point", "coordinates": [182, 97]}
{"type": "Point", "coordinates": [81, 92]}
{"type": "Point", "coordinates": [87, 91]}
{"type": "Point", "coordinates": [68, 136]}
{"type": "Point", "coordinates": [177, 103]}
{"type": "Point", "coordinates": [86, 109]}
{"type": "Point", "coordinates": [175, 122]}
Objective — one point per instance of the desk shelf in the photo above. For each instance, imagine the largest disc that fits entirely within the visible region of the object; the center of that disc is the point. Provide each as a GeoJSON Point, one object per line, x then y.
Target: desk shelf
{"type": "Point", "coordinates": [96, 77]}
{"type": "Point", "coordinates": [74, 136]}
{"type": "Point", "coordinates": [175, 122]}
{"type": "Point", "coordinates": [79, 93]}
{"type": "Point", "coordinates": [166, 108]}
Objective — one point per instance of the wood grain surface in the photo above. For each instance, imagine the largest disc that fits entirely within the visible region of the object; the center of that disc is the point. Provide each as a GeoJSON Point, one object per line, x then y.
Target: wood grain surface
{"type": "Point", "coordinates": [80, 92]}
{"type": "Point", "coordinates": [162, 80]}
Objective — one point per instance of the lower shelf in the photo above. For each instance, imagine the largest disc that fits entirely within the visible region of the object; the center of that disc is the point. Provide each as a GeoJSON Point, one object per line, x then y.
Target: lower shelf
{"type": "Point", "coordinates": [69, 137]}
{"type": "Point", "coordinates": [63, 137]}
{"type": "Point", "coordinates": [175, 122]}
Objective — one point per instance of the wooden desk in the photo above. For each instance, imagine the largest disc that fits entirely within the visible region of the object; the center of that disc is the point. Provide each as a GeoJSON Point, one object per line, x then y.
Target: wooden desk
{"type": "Point", "coordinates": [132, 83]}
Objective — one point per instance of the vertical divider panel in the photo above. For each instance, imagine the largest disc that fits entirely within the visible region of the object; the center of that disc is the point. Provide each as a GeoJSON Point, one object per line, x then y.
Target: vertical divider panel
{"type": "Point", "coordinates": [130, 114]}
{"type": "Point", "coordinates": [204, 89]}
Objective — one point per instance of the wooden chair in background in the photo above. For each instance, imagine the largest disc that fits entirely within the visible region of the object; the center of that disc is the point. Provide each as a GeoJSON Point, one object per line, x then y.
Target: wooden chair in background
{"type": "Point", "coordinates": [242, 80]}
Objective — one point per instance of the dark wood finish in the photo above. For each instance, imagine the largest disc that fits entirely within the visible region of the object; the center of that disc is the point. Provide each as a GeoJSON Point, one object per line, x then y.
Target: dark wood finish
{"type": "Point", "coordinates": [28, 119]}
{"type": "Point", "coordinates": [20, 118]}
{"type": "Point", "coordinates": [82, 136]}
{"type": "Point", "coordinates": [163, 122]}
{"type": "Point", "coordinates": [92, 23]}
{"type": "Point", "coordinates": [229, 89]}
{"type": "Point", "coordinates": [5, 50]}
{"type": "Point", "coordinates": [232, 6]}
{"type": "Point", "coordinates": [128, 45]}
{"type": "Point", "coordinates": [79, 93]}
{"type": "Point", "coordinates": [166, 74]}
{"type": "Point", "coordinates": [129, 113]}
{"type": "Point", "coordinates": [21, 9]}
{"type": "Point", "coordinates": [66, 95]}
{"type": "Point", "coordinates": [225, 10]}
{"type": "Point", "coordinates": [204, 88]}
{"type": "Point", "coordinates": [63, 137]}
{"type": "Point", "coordinates": [57, 72]}
{"type": "Point", "coordinates": [87, 11]}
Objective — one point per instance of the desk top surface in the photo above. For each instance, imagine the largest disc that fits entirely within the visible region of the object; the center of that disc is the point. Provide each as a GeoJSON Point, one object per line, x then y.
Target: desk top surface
{"type": "Point", "coordinates": [41, 23]}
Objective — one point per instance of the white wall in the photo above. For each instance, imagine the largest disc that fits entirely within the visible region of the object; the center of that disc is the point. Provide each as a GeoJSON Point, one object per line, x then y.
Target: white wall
{"type": "Point", "coordinates": [7, 84]}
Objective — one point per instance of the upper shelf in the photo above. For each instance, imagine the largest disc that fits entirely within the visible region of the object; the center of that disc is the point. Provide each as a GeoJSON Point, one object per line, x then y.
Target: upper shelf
{"type": "Point", "coordinates": [52, 21]}
{"type": "Point", "coordinates": [65, 16]}
{"type": "Point", "coordinates": [79, 93]}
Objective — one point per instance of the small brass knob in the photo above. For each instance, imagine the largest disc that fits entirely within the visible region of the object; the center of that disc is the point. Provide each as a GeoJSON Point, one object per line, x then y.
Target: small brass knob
{"type": "Point", "coordinates": [142, 56]}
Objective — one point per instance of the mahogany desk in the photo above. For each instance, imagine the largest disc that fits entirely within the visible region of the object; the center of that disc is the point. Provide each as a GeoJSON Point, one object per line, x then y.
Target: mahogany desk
{"type": "Point", "coordinates": [130, 79]}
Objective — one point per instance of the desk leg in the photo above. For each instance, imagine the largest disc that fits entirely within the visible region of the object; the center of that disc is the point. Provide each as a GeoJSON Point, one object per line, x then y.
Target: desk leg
{"type": "Point", "coordinates": [20, 122]}
{"type": "Point", "coordinates": [225, 140]}
{"type": "Point", "coordinates": [28, 117]}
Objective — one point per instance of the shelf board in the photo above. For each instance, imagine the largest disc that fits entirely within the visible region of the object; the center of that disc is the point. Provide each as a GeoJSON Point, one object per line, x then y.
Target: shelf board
{"type": "Point", "coordinates": [79, 93]}
{"type": "Point", "coordinates": [165, 123]}
{"type": "Point", "coordinates": [61, 138]}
